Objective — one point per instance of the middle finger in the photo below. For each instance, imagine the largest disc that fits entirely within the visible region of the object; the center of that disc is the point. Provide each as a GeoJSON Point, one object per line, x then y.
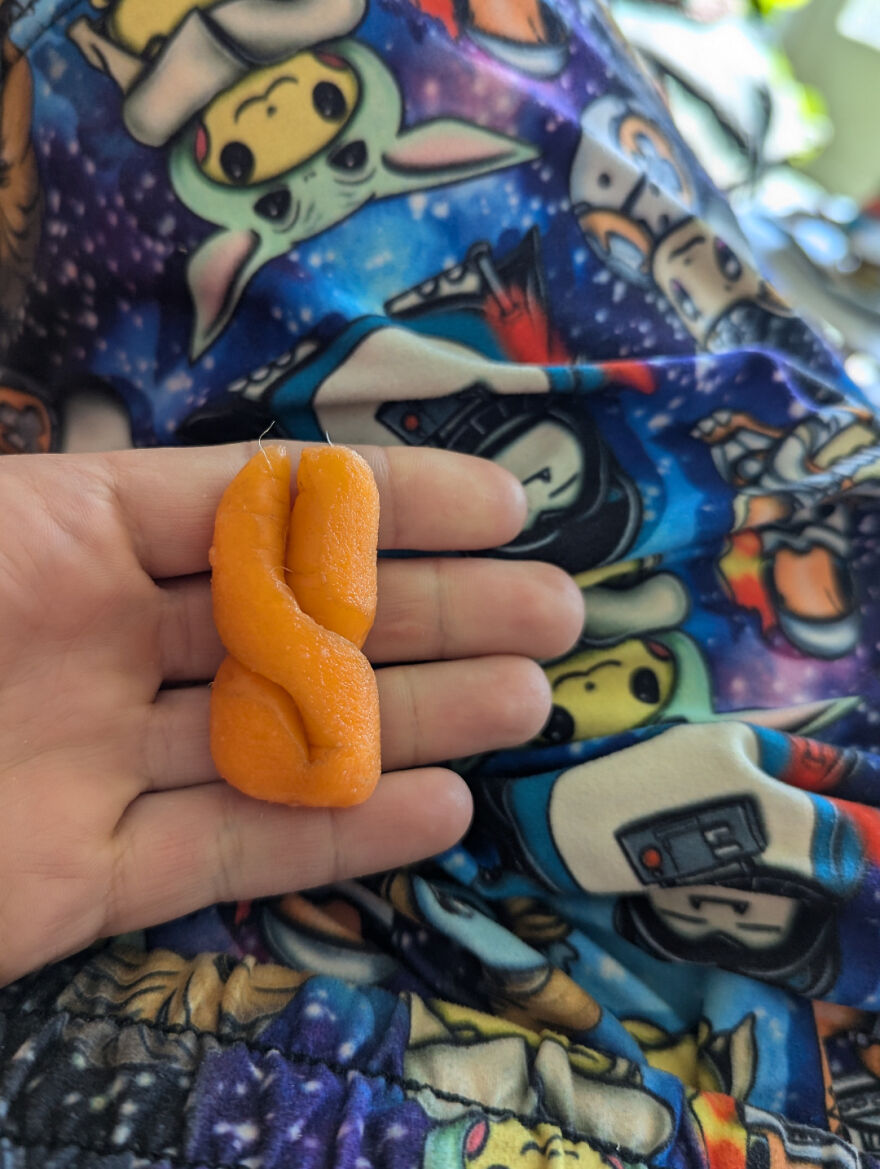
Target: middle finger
{"type": "Point", "coordinates": [429, 609]}
{"type": "Point", "coordinates": [462, 608]}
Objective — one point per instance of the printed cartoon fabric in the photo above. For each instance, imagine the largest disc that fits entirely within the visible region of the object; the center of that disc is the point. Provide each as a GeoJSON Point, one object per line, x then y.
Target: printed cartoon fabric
{"type": "Point", "coordinates": [471, 224]}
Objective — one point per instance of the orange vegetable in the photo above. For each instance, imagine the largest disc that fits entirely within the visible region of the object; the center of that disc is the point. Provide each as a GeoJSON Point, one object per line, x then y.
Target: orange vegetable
{"type": "Point", "coordinates": [294, 706]}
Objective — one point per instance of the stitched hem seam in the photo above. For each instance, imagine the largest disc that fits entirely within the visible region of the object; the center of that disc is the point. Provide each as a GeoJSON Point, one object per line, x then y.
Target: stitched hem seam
{"type": "Point", "coordinates": [404, 1083]}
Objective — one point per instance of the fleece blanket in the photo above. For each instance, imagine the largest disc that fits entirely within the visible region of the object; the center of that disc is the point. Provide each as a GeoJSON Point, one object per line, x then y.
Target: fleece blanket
{"type": "Point", "coordinates": [472, 224]}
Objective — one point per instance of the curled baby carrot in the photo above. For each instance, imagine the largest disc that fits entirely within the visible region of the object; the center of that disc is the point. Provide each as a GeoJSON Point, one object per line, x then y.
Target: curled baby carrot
{"type": "Point", "coordinates": [294, 706]}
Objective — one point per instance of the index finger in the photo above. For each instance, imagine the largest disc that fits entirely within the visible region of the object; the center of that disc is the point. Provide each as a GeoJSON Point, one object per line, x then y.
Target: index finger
{"type": "Point", "coordinates": [430, 500]}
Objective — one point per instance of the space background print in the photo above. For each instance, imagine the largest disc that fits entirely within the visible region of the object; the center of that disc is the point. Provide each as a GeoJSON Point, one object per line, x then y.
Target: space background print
{"type": "Point", "coordinates": [111, 293]}
{"type": "Point", "coordinates": [509, 212]}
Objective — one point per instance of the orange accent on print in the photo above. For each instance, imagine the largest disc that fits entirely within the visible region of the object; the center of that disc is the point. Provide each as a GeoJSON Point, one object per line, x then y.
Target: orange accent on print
{"type": "Point", "coordinates": [740, 568]}
{"type": "Point", "coordinates": [724, 1135]}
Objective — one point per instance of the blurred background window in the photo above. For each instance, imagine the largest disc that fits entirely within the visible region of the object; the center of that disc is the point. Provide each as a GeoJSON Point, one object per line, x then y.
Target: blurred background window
{"type": "Point", "coordinates": [779, 100]}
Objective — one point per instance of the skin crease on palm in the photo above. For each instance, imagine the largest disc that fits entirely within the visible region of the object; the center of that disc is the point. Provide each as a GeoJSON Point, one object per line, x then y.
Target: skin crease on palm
{"type": "Point", "coordinates": [112, 817]}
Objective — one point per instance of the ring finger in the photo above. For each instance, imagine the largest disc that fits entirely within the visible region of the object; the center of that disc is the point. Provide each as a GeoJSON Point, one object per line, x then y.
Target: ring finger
{"type": "Point", "coordinates": [430, 713]}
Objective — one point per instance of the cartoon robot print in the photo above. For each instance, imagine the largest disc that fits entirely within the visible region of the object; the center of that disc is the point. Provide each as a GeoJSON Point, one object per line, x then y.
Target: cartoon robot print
{"type": "Point", "coordinates": [776, 1143]}
{"type": "Point", "coordinates": [221, 86]}
{"type": "Point", "coordinates": [749, 875]}
{"type": "Point", "coordinates": [628, 186]}
{"type": "Point", "coordinates": [635, 202]}
{"type": "Point", "coordinates": [790, 552]}
{"type": "Point", "coordinates": [324, 384]}
{"type": "Point", "coordinates": [495, 381]}
{"type": "Point", "coordinates": [584, 508]}
{"type": "Point", "coordinates": [497, 300]}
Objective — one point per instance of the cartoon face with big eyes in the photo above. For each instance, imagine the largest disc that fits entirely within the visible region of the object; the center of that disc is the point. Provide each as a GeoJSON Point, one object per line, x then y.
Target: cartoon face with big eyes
{"type": "Point", "coordinates": [273, 155]}
{"type": "Point", "coordinates": [719, 298]}
{"type": "Point", "coordinates": [275, 118]}
{"type": "Point", "coordinates": [605, 691]}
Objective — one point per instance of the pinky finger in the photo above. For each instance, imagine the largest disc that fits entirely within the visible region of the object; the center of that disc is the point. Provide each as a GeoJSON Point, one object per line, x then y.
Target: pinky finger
{"type": "Point", "coordinates": [183, 850]}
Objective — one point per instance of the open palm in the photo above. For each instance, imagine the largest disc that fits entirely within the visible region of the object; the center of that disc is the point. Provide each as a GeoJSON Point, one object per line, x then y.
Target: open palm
{"type": "Point", "coordinates": [111, 813]}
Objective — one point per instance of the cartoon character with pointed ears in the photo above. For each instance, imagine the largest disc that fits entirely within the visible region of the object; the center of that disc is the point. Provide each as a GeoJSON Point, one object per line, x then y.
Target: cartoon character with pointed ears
{"type": "Point", "coordinates": [635, 667]}
{"type": "Point", "coordinates": [279, 132]}
{"type": "Point", "coordinates": [628, 185]}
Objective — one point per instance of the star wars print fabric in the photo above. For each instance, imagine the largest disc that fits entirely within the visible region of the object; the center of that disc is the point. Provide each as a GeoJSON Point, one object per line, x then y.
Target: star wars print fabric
{"type": "Point", "coordinates": [472, 225]}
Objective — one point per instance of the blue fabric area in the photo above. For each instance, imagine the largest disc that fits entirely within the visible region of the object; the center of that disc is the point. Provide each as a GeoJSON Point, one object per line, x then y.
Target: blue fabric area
{"type": "Point", "coordinates": [658, 943]}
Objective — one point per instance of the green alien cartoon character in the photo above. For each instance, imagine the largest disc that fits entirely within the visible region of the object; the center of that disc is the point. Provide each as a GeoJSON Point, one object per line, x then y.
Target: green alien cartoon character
{"type": "Point", "coordinates": [277, 128]}
{"type": "Point", "coordinates": [635, 667]}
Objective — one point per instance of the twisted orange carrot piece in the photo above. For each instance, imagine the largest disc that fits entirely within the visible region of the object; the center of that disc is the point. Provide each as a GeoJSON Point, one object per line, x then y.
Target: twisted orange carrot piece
{"type": "Point", "coordinates": [294, 707]}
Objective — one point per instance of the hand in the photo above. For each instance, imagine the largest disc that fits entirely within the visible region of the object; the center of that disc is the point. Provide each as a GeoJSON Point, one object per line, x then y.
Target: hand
{"type": "Point", "coordinates": [112, 817]}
